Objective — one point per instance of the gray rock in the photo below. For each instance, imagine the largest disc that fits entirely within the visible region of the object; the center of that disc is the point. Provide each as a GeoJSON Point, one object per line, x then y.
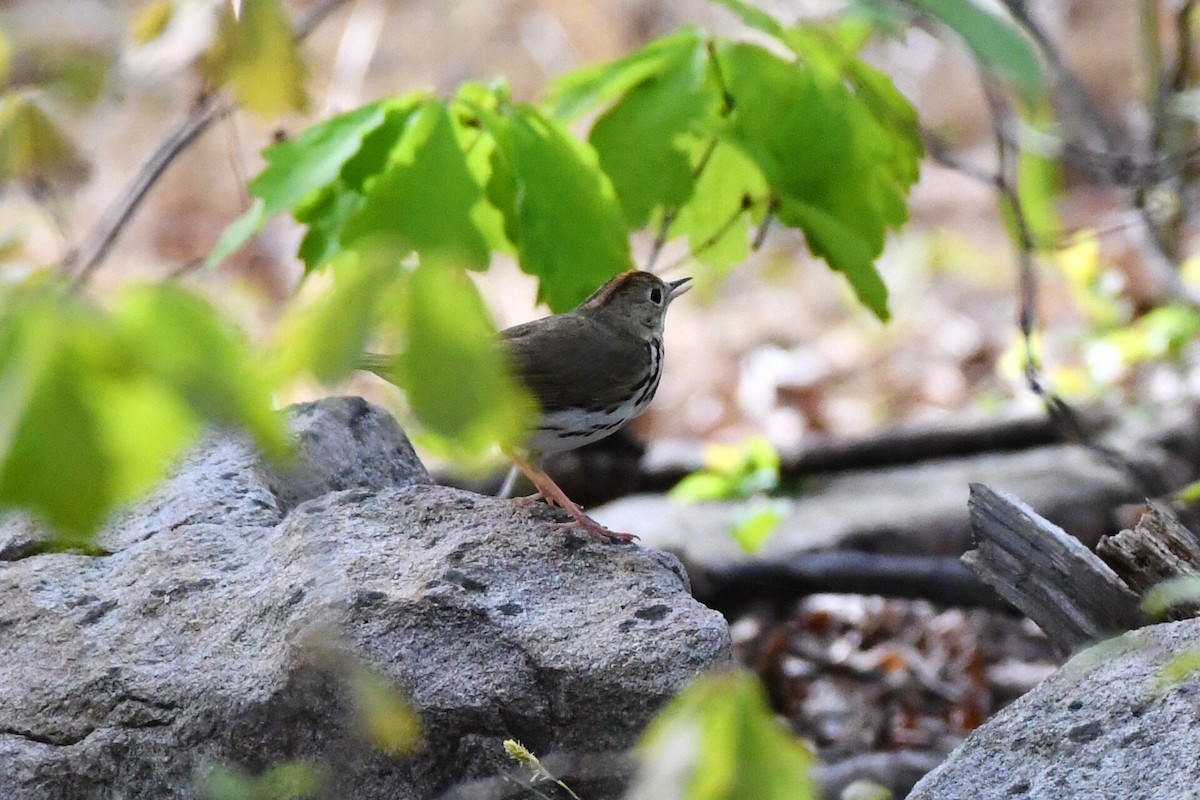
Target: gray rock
{"type": "Point", "coordinates": [204, 637]}
{"type": "Point", "coordinates": [1106, 725]}
{"type": "Point", "coordinates": [915, 509]}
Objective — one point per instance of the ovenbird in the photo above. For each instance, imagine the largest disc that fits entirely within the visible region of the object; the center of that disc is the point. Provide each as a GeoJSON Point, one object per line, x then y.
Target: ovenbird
{"type": "Point", "coordinates": [591, 371]}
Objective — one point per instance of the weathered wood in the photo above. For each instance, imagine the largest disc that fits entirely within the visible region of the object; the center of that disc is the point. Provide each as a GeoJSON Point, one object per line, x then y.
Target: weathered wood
{"type": "Point", "coordinates": [1158, 548]}
{"type": "Point", "coordinates": [1047, 574]}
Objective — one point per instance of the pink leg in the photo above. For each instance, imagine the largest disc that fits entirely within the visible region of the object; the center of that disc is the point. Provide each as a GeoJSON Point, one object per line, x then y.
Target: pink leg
{"type": "Point", "coordinates": [549, 491]}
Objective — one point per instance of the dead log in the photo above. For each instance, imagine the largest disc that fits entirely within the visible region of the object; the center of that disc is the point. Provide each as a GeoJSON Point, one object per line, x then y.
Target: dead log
{"type": "Point", "coordinates": [1050, 576]}
{"type": "Point", "coordinates": [939, 579]}
{"type": "Point", "coordinates": [1156, 549]}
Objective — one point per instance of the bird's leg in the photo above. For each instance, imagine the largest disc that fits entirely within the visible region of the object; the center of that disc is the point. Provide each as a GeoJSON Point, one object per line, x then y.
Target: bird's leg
{"type": "Point", "coordinates": [549, 491]}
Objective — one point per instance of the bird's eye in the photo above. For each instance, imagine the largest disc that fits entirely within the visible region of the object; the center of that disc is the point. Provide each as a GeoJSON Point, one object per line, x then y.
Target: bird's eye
{"type": "Point", "coordinates": [656, 296]}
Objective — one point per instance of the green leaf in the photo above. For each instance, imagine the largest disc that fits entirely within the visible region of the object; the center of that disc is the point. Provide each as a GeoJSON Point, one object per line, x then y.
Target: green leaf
{"type": "Point", "coordinates": [1164, 596]}
{"type": "Point", "coordinates": [180, 340]}
{"type": "Point", "coordinates": [54, 461]}
{"type": "Point", "coordinates": [32, 147]}
{"type": "Point", "coordinates": [325, 330]}
{"type": "Point", "coordinates": [256, 54]}
{"type": "Point", "coordinates": [455, 377]}
{"type": "Point", "coordinates": [94, 407]}
{"type": "Point", "coordinates": [237, 233]}
{"type": "Point", "coordinates": [299, 166]}
{"type": "Point", "coordinates": [423, 199]}
{"type": "Point", "coordinates": [560, 208]}
{"type": "Point", "coordinates": [637, 140]}
{"type": "Point", "coordinates": [727, 193]}
{"type": "Point", "coordinates": [994, 42]}
{"type": "Point", "coordinates": [719, 740]}
{"type": "Point", "coordinates": [584, 89]}
{"type": "Point", "coordinates": [701, 486]}
{"type": "Point", "coordinates": [845, 250]}
{"type": "Point", "coordinates": [296, 169]}
{"type": "Point", "coordinates": [385, 715]}
{"type": "Point", "coordinates": [1179, 668]}
{"type": "Point", "coordinates": [755, 17]}
{"type": "Point", "coordinates": [753, 529]}
{"type": "Point", "coordinates": [1039, 181]}
{"type": "Point", "coordinates": [827, 158]}
{"type": "Point", "coordinates": [291, 780]}
{"type": "Point", "coordinates": [325, 215]}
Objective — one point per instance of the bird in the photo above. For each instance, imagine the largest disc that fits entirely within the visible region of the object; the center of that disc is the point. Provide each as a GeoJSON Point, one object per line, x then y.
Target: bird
{"type": "Point", "coordinates": [590, 371]}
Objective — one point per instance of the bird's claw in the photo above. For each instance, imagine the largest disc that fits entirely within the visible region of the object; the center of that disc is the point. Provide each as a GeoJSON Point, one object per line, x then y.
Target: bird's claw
{"type": "Point", "coordinates": [596, 529]}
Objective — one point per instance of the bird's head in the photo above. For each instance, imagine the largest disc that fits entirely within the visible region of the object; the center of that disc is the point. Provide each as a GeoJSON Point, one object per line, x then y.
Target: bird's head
{"type": "Point", "coordinates": [634, 300]}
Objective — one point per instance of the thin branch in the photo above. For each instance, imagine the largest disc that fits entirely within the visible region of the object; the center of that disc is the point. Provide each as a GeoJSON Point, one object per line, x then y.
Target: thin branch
{"type": "Point", "coordinates": [1065, 417]}
{"type": "Point", "coordinates": [761, 235]}
{"type": "Point", "coordinates": [1065, 80]}
{"type": "Point", "coordinates": [210, 108]}
{"type": "Point", "coordinates": [664, 228]}
{"type": "Point", "coordinates": [712, 238]}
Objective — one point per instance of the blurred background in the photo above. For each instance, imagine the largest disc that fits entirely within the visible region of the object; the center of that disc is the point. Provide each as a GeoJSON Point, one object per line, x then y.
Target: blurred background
{"type": "Point", "coordinates": [777, 347]}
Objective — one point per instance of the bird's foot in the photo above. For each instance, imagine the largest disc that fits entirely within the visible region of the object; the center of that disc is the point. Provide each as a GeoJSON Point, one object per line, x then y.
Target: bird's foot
{"type": "Point", "coordinates": [596, 529]}
{"type": "Point", "coordinates": [530, 499]}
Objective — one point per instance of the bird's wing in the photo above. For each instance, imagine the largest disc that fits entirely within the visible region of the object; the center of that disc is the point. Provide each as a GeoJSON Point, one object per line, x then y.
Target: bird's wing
{"type": "Point", "coordinates": [574, 361]}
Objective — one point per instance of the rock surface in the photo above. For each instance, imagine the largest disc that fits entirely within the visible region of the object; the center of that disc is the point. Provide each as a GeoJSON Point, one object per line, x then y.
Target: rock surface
{"type": "Point", "coordinates": [203, 638]}
{"type": "Point", "coordinates": [919, 509]}
{"type": "Point", "coordinates": [1106, 725]}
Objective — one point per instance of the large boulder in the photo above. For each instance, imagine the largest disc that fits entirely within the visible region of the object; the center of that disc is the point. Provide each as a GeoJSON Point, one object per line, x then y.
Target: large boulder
{"type": "Point", "coordinates": [1110, 724]}
{"type": "Point", "coordinates": [203, 637]}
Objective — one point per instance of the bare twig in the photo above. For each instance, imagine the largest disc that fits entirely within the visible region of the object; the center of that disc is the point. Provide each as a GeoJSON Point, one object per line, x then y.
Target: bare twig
{"type": "Point", "coordinates": [1063, 414]}
{"type": "Point", "coordinates": [210, 108]}
{"type": "Point", "coordinates": [1067, 83]}
{"type": "Point", "coordinates": [761, 235]}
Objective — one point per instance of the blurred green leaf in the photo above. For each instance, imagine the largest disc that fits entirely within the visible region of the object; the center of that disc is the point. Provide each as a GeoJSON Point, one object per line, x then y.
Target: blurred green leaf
{"type": "Point", "coordinates": [701, 486]}
{"type": "Point", "coordinates": [719, 740]}
{"type": "Point", "coordinates": [637, 140]}
{"type": "Point", "coordinates": [584, 89]}
{"type": "Point", "coordinates": [1039, 181]}
{"type": "Point", "coordinates": [560, 209]}
{"type": "Point", "coordinates": [257, 56]}
{"type": "Point", "coordinates": [180, 341]}
{"type": "Point", "coordinates": [1179, 668]}
{"type": "Point", "coordinates": [1170, 593]}
{"type": "Point", "coordinates": [151, 20]}
{"type": "Point", "coordinates": [753, 529]}
{"type": "Point", "coordinates": [291, 780]}
{"type": "Point", "coordinates": [755, 17]}
{"type": "Point", "coordinates": [325, 334]}
{"type": "Point", "coordinates": [422, 200]}
{"type": "Point", "coordinates": [237, 233]}
{"type": "Point", "coordinates": [453, 374]}
{"type": "Point", "coordinates": [5, 57]}
{"type": "Point", "coordinates": [1189, 493]}
{"type": "Point", "coordinates": [94, 407]}
{"type": "Point", "coordinates": [33, 148]}
{"type": "Point", "coordinates": [994, 42]}
{"type": "Point", "coordinates": [386, 717]}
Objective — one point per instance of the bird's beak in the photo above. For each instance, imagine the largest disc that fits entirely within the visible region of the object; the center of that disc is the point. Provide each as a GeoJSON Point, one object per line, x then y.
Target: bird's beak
{"type": "Point", "coordinates": [676, 288]}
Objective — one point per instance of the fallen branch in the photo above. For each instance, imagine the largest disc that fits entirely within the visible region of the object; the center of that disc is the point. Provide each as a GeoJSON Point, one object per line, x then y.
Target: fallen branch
{"type": "Point", "coordinates": [937, 579]}
{"type": "Point", "coordinates": [1047, 574]}
{"type": "Point", "coordinates": [1157, 549]}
